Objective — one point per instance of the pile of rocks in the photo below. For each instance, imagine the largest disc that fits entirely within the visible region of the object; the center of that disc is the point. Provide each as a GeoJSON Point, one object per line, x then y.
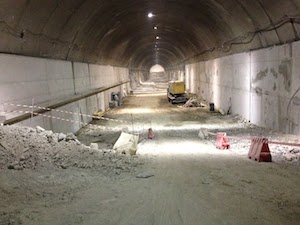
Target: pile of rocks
{"type": "Point", "coordinates": [285, 153]}
{"type": "Point", "coordinates": [28, 148]}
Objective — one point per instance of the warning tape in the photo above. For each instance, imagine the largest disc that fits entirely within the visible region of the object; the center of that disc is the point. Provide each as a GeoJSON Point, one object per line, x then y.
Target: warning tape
{"type": "Point", "coordinates": [62, 119]}
{"type": "Point", "coordinates": [66, 112]}
{"type": "Point", "coordinates": [265, 141]}
{"type": "Point", "coordinates": [283, 143]}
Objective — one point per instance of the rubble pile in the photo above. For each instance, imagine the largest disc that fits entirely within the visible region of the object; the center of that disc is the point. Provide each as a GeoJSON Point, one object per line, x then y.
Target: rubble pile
{"type": "Point", "coordinates": [286, 153]}
{"type": "Point", "coordinates": [28, 148]}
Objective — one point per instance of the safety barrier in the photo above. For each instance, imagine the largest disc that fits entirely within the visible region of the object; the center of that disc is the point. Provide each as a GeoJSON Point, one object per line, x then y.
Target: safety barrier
{"type": "Point", "coordinates": [61, 111]}
{"type": "Point", "coordinates": [259, 148]}
{"type": "Point", "coordinates": [62, 119]}
{"type": "Point", "coordinates": [222, 141]}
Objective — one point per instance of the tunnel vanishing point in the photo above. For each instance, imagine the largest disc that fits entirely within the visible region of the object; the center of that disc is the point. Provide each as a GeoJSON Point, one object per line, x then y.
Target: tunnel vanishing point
{"type": "Point", "coordinates": [70, 55]}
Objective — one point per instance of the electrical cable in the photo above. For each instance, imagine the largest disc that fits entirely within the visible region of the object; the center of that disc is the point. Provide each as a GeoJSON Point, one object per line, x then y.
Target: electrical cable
{"type": "Point", "coordinates": [226, 46]}
{"type": "Point", "coordinates": [239, 40]}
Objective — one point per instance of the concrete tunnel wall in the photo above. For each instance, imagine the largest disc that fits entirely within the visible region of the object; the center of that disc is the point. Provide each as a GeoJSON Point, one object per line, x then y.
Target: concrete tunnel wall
{"type": "Point", "coordinates": [50, 81]}
{"type": "Point", "coordinates": [259, 85]}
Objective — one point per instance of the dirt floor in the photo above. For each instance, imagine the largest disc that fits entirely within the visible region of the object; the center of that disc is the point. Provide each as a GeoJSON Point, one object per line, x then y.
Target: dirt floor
{"type": "Point", "coordinates": [188, 181]}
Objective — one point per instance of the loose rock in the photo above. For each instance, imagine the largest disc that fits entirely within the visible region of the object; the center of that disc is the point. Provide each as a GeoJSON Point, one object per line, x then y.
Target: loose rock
{"type": "Point", "coordinates": [144, 175]}
{"type": "Point", "coordinates": [40, 129]}
{"type": "Point", "coordinates": [61, 137]}
{"type": "Point", "coordinates": [94, 146]}
{"type": "Point", "coordinates": [31, 149]}
{"type": "Point", "coordinates": [71, 137]}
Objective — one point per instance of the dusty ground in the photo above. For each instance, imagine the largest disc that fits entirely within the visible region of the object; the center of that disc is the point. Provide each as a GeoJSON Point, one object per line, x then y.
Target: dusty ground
{"type": "Point", "coordinates": [192, 182]}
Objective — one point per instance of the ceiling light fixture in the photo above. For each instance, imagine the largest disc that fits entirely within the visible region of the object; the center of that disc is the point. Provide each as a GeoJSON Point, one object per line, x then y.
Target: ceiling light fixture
{"type": "Point", "coordinates": [157, 37]}
{"type": "Point", "coordinates": [150, 15]}
{"type": "Point", "coordinates": [155, 28]}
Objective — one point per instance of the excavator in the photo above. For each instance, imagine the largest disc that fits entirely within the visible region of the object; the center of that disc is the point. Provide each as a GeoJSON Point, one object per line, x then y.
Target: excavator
{"type": "Point", "coordinates": [176, 92]}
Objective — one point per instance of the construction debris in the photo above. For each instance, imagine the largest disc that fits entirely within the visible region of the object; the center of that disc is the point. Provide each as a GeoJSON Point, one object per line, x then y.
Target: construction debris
{"type": "Point", "coordinates": [292, 155]}
{"type": "Point", "coordinates": [94, 146]}
{"type": "Point", "coordinates": [193, 102]}
{"type": "Point", "coordinates": [98, 114]}
{"type": "Point", "coordinates": [144, 175]}
{"type": "Point", "coordinates": [2, 119]}
{"type": "Point", "coordinates": [28, 148]}
{"type": "Point", "coordinates": [40, 129]}
{"type": "Point", "coordinates": [126, 144]}
{"type": "Point", "coordinates": [222, 112]}
{"type": "Point", "coordinates": [203, 134]}
{"type": "Point", "coordinates": [61, 137]}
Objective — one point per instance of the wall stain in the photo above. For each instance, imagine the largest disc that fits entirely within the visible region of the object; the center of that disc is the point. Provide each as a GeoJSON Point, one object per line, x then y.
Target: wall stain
{"type": "Point", "coordinates": [261, 75]}
{"type": "Point", "coordinates": [285, 69]}
{"type": "Point", "coordinates": [258, 90]}
{"type": "Point", "coordinates": [207, 77]}
{"type": "Point", "coordinates": [273, 71]}
{"type": "Point", "coordinates": [274, 87]}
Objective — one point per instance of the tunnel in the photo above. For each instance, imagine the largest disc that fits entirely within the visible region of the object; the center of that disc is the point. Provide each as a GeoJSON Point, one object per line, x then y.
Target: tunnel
{"type": "Point", "coordinates": [77, 76]}
{"type": "Point", "coordinates": [225, 51]}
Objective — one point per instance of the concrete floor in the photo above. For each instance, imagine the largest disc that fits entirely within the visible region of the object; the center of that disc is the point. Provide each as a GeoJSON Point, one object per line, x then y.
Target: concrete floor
{"type": "Point", "coordinates": [193, 182]}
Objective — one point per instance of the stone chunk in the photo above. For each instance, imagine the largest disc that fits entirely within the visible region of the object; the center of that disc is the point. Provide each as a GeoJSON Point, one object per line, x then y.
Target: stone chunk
{"type": "Point", "coordinates": [61, 137]}
{"type": "Point", "coordinates": [40, 129]}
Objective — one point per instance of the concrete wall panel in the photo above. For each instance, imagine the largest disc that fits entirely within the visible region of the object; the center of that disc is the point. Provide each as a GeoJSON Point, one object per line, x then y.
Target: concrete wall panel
{"type": "Point", "coordinates": [82, 77]}
{"type": "Point", "coordinates": [262, 86]}
{"type": "Point", "coordinates": [26, 79]}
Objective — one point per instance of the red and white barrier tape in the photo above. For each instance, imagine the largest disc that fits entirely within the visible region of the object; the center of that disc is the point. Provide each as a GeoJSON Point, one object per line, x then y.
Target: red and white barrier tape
{"type": "Point", "coordinates": [263, 141]}
{"type": "Point", "coordinates": [62, 119]}
{"type": "Point", "coordinates": [66, 112]}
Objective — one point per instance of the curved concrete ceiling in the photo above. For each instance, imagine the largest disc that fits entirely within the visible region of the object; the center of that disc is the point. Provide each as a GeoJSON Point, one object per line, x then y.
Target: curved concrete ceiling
{"type": "Point", "coordinates": [119, 32]}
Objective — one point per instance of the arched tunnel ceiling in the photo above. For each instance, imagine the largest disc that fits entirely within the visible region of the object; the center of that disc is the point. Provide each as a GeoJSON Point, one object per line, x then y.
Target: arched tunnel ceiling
{"type": "Point", "coordinates": [119, 32]}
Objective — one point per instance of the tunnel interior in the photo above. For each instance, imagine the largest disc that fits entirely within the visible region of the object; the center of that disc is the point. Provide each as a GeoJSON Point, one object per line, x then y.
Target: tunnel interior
{"type": "Point", "coordinates": [89, 131]}
{"type": "Point", "coordinates": [83, 45]}
{"type": "Point", "coordinates": [226, 52]}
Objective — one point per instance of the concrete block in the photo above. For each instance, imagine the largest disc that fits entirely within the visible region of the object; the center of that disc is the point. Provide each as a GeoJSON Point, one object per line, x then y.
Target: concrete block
{"type": "Point", "coordinates": [2, 119]}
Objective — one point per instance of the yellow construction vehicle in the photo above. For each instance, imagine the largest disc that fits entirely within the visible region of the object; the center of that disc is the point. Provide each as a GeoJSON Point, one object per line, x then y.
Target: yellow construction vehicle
{"type": "Point", "coordinates": [176, 92]}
